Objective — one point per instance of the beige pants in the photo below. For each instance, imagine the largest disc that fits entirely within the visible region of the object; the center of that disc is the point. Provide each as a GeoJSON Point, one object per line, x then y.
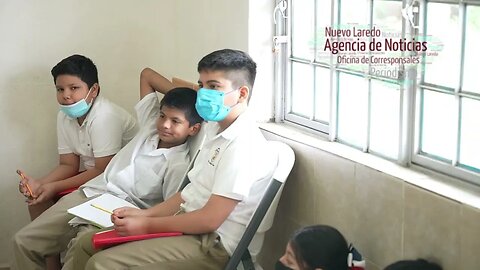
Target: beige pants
{"type": "Point", "coordinates": [48, 234]}
{"type": "Point", "coordinates": [168, 253]}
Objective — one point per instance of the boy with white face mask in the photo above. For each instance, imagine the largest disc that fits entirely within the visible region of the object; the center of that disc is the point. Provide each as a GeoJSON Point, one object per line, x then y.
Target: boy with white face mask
{"type": "Point", "coordinates": [90, 131]}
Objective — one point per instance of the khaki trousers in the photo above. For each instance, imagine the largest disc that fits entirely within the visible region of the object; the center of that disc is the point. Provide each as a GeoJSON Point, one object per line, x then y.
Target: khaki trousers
{"type": "Point", "coordinates": [185, 252]}
{"type": "Point", "coordinates": [48, 234]}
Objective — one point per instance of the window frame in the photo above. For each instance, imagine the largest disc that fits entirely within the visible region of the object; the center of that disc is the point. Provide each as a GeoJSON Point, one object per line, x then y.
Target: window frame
{"type": "Point", "coordinates": [410, 94]}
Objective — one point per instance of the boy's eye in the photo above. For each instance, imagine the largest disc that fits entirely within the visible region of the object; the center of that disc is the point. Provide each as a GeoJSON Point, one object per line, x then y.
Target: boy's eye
{"type": "Point", "coordinates": [75, 87]}
{"type": "Point", "coordinates": [59, 89]}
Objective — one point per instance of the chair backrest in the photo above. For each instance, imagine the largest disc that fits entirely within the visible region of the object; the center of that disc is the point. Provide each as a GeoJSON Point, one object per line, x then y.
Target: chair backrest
{"type": "Point", "coordinates": [195, 144]}
{"type": "Point", "coordinates": [262, 218]}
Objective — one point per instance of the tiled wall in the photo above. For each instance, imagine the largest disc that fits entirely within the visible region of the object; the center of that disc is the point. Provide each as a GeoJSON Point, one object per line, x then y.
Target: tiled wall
{"type": "Point", "coordinates": [386, 218]}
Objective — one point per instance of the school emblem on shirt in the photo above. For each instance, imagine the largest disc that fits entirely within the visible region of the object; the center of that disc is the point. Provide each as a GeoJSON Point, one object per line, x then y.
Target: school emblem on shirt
{"type": "Point", "coordinates": [214, 156]}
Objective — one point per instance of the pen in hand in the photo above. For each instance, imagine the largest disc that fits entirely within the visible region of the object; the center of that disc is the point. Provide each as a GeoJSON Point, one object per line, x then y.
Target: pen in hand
{"type": "Point", "coordinates": [26, 183]}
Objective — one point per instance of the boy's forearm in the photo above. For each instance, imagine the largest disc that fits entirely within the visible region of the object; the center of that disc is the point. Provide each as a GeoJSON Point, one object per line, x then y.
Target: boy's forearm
{"type": "Point", "coordinates": [205, 220]}
{"type": "Point", "coordinates": [151, 81]}
{"type": "Point", "coordinates": [189, 223]}
{"type": "Point", "coordinates": [167, 208]}
{"type": "Point", "coordinates": [77, 180]}
{"type": "Point", "coordinates": [61, 172]}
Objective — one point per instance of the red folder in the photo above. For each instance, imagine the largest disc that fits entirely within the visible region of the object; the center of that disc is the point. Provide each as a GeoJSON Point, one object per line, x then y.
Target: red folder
{"type": "Point", "coordinates": [66, 191]}
{"type": "Point", "coordinates": [111, 237]}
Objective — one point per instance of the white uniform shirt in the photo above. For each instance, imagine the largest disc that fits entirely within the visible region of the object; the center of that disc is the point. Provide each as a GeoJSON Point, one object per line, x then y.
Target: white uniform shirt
{"type": "Point", "coordinates": [105, 130]}
{"type": "Point", "coordinates": [235, 164]}
{"type": "Point", "coordinates": [141, 173]}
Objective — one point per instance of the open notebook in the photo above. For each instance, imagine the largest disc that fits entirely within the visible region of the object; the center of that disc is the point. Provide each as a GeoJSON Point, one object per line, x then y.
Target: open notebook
{"type": "Point", "coordinates": [91, 211]}
{"type": "Point", "coordinates": [111, 237]}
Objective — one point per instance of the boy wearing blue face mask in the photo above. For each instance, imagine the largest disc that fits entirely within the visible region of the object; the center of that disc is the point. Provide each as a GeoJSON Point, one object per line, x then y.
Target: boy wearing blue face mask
{"type": "Point", "coordinates": [228, 179]}
{"type": "Point", "coordinates": [146, 171]}
{"type": "Point", "coordinates": [90, 131]}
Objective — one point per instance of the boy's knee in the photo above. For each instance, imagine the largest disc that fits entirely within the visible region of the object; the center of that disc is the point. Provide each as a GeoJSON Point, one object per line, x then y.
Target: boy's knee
{"type": "Point", "coordinates": [97, 262]}
{"type": "Point", "coordinates": [21, 238]}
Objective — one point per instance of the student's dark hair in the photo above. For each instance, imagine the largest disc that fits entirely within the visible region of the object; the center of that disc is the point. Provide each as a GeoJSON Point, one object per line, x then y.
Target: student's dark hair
{"type": "Point", "coordinates": [413, 265]}
{"type": "Point", "coordinates": [184, 99]}
{"type": "Point", "coordinates": [238, 66]}
{"type": "Point", "coordinates": [320, 246]}
{"type": "Point", "coordinates": [77, 65]}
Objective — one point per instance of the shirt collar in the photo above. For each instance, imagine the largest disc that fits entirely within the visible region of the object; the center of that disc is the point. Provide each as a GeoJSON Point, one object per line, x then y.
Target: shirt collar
{"type": "Point", "coordinates": [170, 151]}
{"type": "Point", "coordinates": [237, 126]}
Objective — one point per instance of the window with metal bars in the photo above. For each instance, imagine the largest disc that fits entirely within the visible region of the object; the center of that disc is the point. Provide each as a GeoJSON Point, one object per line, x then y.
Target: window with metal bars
{"type": "Point", "coordinates": [425, 113]}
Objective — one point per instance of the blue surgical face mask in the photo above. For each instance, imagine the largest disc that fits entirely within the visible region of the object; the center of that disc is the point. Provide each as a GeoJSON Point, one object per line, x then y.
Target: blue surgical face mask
{"type": "Point", "coordinates": [210, 105]}
{"type": "Point", "coordinates": [77, 109]}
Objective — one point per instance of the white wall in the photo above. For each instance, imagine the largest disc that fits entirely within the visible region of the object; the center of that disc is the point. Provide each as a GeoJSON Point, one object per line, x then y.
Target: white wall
{"type": "Point", "coordinates": [121, 37]}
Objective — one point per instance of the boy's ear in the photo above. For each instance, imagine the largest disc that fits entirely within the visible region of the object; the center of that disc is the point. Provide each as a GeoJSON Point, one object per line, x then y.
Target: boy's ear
{"type": "Point", "coordinates": [194, 129]}
{"type": "Point", "coordinates": [95, 89]}
{"type": "Point", "coordinates": [244, 93]}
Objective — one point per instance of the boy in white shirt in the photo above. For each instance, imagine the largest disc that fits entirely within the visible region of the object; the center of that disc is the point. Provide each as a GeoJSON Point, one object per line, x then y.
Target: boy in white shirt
{"type": "Point", "coordinates": [146, 171]}
{"type": "Point", "coordinates": [229, 177]}
{"type": "Point", "coordinates": [90, 131]}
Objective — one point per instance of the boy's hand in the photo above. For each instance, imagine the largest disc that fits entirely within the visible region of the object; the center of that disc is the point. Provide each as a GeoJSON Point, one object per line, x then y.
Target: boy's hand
{"type": "Point", "coordinates": [32, 190]}
{"type": "Point", "coordinates": [43, 193]}
{"type": "Point", "coordinates": [23, 189]}
{"type": "Point", "coordinates": [131, 225]}
{"type": "Point", "coordinates": [34, 185]}
{"type": "Point", "coordinates": [123, 212]}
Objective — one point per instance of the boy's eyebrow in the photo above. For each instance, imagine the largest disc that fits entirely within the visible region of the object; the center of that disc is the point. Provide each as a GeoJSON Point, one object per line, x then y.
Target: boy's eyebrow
{"type": "Point", "coordinates": [174, 117]}
{"type": "Point", "coordinates": [71, 84]}
{"type": "Point", "coordinates": [210, 81]}
{"type": "Point", "coordinates": [177, 118]}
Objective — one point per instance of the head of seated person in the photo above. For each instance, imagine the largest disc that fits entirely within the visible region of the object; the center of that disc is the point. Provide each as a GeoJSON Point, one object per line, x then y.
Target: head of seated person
{"type": "Point", "coordinates": [319, 247]}
{"type": "Point", "coordinates": [76, 81]}
{"type": "Point", "coordinates": [226, 79]}
{"type": "Point", "coordinates": [418, 264]}
{"type": "Point", "coordinates": [178, 118]}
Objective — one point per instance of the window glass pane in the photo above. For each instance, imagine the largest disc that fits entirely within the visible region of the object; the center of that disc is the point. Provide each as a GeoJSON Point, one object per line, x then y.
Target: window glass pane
{"type": "Point", "coordinates": [387, 17]}
{"type": "Point", "coordinates": [302, 89]}
{"type": "Point", "coordinates": [470, 133]}
{"type": "Point", "coordinates": [303, 29]}
{"type": "Point", "coordinates": [354, 12]}
{"type": "Point", "coordinates": [384, 118]}
{"type": "Point", "coordinates": [443, 27]}
{"type": "Point", "coordinates": [322, 94]}
{"type": "Point", "coordinates": [323, 18]}
{"type": "Point", "coordinates": [438, 124]}
{"type": "Point", "coordinates": [471, 81]}
{"type": "Point", "coordinates": [352, 109]}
